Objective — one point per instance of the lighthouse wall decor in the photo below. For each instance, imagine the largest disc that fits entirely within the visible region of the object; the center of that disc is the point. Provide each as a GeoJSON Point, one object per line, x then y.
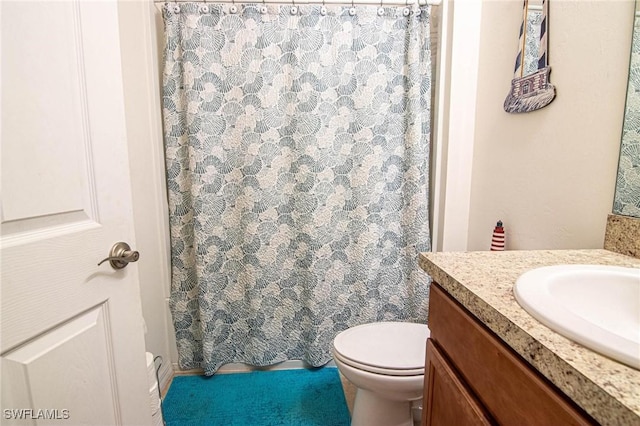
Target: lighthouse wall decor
{"type": "Point", "coordinates": [532, 91]}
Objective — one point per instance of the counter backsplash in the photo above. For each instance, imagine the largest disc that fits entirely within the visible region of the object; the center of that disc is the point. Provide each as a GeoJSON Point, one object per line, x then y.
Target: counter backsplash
{"type": "Point", "coordinates": [623, 235]}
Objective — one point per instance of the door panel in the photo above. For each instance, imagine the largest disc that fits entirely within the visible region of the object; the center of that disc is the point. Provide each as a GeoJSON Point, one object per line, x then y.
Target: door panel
{"type": "Point", "coordinates": [49, 134]}
{"type": "Point", "coordinates": [71, 331]}
{"type": "Point", "coordinates": [87, 388]}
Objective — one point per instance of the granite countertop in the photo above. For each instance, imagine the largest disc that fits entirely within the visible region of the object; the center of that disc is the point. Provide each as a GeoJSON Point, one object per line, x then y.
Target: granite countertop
{"type": "Point", "coordinates": [483, 283]}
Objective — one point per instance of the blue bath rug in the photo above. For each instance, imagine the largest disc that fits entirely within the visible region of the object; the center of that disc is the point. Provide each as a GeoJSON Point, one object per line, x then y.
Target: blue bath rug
{"type": "Point", "coordinates": [301, 397]}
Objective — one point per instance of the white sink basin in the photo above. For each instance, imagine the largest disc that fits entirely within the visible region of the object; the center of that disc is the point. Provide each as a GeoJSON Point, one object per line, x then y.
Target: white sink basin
{"type": "Point", "coordinates": [594, 305]}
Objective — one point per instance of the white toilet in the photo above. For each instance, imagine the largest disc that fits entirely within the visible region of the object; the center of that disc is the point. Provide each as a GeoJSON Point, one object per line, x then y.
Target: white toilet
{"type": "Point", "coordinates": [385, 361]}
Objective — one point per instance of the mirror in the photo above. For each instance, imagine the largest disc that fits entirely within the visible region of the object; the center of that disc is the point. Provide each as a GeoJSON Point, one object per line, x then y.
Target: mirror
{"type": "Point", "coordinates": [627, 196]}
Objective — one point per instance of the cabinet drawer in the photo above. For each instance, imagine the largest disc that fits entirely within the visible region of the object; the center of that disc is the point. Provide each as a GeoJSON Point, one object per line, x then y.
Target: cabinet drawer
{"type": "Point", "coordinates": [510, 389]}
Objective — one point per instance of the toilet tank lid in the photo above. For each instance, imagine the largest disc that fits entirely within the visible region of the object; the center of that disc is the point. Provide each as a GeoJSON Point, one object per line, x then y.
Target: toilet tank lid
{"type": "Point", "coordinates": [389, 345]}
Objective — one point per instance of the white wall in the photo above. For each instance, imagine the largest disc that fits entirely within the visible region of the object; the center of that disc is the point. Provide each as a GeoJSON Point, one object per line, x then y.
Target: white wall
{"type": "Point", "coordinates": [144, 132]}
{"type": "Point", "coordinates": [550, 174]}
{"type": "Point", "coordinates": [452, 151]}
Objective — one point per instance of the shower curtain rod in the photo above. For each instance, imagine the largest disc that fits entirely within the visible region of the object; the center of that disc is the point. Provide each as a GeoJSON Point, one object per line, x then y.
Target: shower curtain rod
{"type": "Point", "coordinates": [318, 2]}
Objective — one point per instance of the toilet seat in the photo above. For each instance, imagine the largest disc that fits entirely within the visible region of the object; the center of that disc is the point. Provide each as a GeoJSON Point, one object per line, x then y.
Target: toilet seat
{"type": "Point", "coordinates": [389, 348]}
{"type": "Point", "coordinates": [378, 370]}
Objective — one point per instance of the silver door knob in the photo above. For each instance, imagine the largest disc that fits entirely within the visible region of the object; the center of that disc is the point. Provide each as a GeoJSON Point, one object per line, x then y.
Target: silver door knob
{"type": "Point", "coordinates": [121, 255]}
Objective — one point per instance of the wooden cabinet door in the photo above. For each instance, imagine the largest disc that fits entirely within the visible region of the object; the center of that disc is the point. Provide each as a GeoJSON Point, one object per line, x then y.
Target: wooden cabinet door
{"type": "Point", "coordinates": [509, 389]}
{"type": "Point", "coordinates": [447, 400]}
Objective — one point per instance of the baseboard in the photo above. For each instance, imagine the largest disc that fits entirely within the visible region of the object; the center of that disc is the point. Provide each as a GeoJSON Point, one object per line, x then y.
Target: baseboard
{"type": "Point", "coordinates": [238, 367]}
{"type": "Point", "coordinates": [192, 372]}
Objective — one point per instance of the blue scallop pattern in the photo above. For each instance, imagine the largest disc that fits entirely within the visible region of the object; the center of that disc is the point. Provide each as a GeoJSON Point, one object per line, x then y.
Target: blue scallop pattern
{"type": "Point", "coordinates": [627, 197]}
{"type": "Point", "coordinates": [297, 153]}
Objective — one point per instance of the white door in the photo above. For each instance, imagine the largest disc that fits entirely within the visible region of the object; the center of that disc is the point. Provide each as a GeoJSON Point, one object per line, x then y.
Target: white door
{"type": "Point", "coordinates": [72, 341]}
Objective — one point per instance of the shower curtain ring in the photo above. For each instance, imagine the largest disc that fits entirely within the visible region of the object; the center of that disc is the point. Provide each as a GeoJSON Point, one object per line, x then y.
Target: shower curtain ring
{"type": "Point", "coordinates": [323, 9]}
{"type": "Point", "coordinates": [233, 8]}
{"type": "Point", "coordinates": [406, 10]}
{"type": "Point", "coordinates": [204, 8]}
{"type": "Point", "coordinates": [352, 11]}
{"type": "Point", "coordinates": [176, 7]}
{"type": "Point", "coordinates": [380, 9]}
{"type": "Point", "coordinates": [263, 8]}
{"type": "Point", "coordinates": [294, 8]}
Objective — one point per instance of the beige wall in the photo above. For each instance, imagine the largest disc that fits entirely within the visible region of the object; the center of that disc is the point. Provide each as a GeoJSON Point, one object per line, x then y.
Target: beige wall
{"type": "Point", "coordinates": [550, 174]}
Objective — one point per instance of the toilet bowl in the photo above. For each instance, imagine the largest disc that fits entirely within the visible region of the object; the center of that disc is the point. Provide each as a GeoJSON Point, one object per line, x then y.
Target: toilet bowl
{"type": "Point", "coordinates": [385, 361]}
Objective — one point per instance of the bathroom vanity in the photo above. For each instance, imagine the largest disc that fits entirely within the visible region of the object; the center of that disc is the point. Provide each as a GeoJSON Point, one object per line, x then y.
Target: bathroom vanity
{"type": "Point", "coordinates": [489, 362]}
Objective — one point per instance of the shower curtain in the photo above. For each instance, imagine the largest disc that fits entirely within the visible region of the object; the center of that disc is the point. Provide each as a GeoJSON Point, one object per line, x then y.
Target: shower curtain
{"type": "Point", "coordinates": [297, 152]}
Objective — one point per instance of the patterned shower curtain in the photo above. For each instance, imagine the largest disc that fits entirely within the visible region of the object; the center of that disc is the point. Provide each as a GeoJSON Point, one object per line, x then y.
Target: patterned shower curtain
{"type": "Point", "coordinates": [297, 152]}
